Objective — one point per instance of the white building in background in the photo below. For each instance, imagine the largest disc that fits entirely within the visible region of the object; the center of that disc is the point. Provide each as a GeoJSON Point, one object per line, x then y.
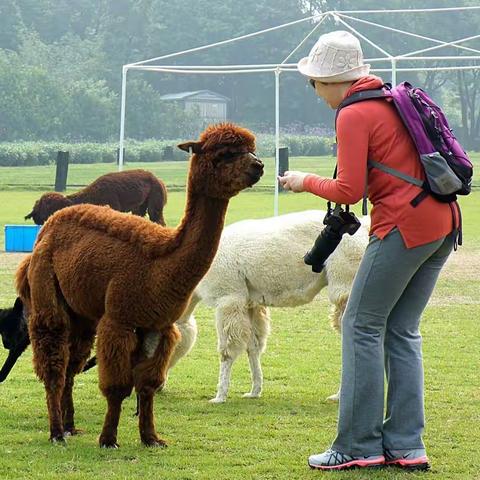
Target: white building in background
{"type": "Point", "coordinates": [211, 106]}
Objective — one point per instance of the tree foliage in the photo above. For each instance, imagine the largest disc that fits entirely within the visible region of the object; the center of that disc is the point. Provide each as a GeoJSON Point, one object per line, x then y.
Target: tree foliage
{"type": "Point", "coordinates": [61, 60]}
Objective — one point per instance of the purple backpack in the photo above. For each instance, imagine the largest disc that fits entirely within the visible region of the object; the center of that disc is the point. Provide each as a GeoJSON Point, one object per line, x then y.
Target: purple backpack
{"type": "Point", "coordinates": [448, 170]}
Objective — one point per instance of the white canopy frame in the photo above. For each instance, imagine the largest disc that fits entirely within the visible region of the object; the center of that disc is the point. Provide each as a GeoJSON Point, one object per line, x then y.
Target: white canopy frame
{"type": "Point", "coordinates": [345, 18]}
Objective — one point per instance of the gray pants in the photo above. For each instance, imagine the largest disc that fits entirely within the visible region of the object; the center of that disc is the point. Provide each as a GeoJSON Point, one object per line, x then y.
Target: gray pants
{"type": "Point", "coordinates": [380, 334]}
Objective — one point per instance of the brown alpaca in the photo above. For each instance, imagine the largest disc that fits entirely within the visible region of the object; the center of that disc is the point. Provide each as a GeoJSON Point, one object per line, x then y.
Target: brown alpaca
{"type": "Point", "coordinates": [133, 191]}
{"type": "Point", "coordinates": [94, 269]}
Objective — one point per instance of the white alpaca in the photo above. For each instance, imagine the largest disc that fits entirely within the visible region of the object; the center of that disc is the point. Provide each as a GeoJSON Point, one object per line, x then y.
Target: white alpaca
{"type": "Point", "coordinates": [259, 264]}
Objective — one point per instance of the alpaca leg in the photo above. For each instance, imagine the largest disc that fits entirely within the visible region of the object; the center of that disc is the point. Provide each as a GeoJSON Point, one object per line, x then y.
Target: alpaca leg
{"type": "Point", "coordinates": [336, 312]}
{"type": "Point", "coordinates": [155, 208]}
{"type": "Point", "coordinates": [339, 303]}
{"type": "Point", "coordinates": [149, 375]}
{"type": "Point", "coordinates": [115, 345]}
{"type": "Point", "coordinates": [233, 331]}
{"type": "Point", "coordinates": [49, 338]}
{"type": "Point", "coordinates": [140, 210]}
{"type": "Point", "coordinates": [188, 330]}
{"type": "Point", "coordinates": [68, 410]}
{"type": "Point", "coordinates": [81, 343]}
{"type": "Point", "coordinates": [260, 318]}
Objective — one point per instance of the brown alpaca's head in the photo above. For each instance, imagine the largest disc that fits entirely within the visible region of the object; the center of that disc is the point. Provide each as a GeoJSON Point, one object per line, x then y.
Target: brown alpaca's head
{"type": "Point", "coordinates": [46, 206]}
{"type": "Point", "coordinates": [223, 161]}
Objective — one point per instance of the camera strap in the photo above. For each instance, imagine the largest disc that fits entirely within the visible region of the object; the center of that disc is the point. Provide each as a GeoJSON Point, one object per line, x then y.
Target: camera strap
{"type": "Point", "coordinates": [338, 206]}
{"type": "Point", "coordinates": [364, 200]}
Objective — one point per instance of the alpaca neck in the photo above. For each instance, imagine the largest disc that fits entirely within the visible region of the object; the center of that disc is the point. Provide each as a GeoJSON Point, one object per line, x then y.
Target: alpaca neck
{"type": "Point", "coordinates": [198, 236]}
{"type": "Point", "coordinates": [76, 198]}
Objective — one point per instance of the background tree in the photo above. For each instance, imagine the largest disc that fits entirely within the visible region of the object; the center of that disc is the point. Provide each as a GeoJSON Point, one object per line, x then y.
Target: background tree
{"type": "Point", "coordinates": [61, 62]}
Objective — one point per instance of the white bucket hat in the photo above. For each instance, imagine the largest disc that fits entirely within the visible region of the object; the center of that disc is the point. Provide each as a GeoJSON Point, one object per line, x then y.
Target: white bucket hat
{"type": "Point", "coordinates": [336, 57]}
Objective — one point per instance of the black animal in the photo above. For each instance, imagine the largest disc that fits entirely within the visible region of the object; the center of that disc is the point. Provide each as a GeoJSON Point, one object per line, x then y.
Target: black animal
{"type": "Point", "coordinates": [14, 332]}
{"type": "Point", "coordinates": [15, 339]}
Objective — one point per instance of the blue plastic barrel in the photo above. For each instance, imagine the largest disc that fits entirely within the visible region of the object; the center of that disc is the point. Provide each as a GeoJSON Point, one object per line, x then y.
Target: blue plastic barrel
{"type": "Point", "coordinates": [20, 238]}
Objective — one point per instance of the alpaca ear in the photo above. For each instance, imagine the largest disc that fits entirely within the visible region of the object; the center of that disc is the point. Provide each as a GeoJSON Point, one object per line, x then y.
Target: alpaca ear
{"type": "Point", "coordinates": [195, 147]}
{"type": "Point", "coordinates": [18, 306]}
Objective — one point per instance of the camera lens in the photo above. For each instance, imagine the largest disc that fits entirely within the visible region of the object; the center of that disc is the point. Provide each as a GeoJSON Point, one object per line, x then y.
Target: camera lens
{"type": "Point", "coordinates": [325, 244]}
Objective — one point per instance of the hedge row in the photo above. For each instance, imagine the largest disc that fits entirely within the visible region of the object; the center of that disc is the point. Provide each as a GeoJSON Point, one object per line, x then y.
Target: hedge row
{"type": "Point", "coordinates": [43, 153]}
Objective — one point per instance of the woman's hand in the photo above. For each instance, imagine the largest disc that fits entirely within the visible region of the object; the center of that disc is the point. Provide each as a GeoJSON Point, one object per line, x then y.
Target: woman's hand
{"type": "Point", "coordinates": [293, 181]}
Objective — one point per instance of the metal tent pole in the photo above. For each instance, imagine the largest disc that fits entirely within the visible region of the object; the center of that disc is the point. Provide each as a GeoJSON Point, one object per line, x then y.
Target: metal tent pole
{"type": "Point", "coordinates": [277, 138]}
{"type": "Point", "coordinates": [122, 118]}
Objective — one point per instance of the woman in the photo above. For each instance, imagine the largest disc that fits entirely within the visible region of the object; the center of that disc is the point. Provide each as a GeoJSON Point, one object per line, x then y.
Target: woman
{"type": "Point", "coordinates": [408, 247]}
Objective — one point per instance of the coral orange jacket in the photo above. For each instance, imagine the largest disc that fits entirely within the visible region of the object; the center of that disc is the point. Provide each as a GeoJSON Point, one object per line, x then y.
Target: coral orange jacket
{"type": "Point", "coordinates": [373, 130]}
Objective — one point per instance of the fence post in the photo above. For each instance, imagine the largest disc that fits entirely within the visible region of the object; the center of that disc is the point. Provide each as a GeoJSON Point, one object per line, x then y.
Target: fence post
{"type": "Point", "coordinates": [282, 164]}
{"type": "Point", "coordinates": [61, 171]}
{"type": "Point", "coordinates": [118, 156]}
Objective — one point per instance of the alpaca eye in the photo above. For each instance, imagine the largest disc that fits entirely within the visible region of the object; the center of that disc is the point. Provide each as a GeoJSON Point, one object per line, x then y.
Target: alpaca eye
{"type": "Point", "coordinates": [230, 156]}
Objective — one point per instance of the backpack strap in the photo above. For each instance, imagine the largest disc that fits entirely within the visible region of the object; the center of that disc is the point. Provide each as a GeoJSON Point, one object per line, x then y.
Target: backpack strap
{"type": "Point", "coordinates": [363, 95]}
{"type": "Point", "coordinates": [360, 97]}
{"type": "Point", "coordinates": [403, 176]}
{"type": "Point", "coordinates": [396, 173]}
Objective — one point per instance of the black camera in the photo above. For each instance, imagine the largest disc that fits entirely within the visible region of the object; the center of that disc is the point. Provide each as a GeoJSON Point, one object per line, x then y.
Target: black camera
{"type": "Point", "coordinates": [337, 223]}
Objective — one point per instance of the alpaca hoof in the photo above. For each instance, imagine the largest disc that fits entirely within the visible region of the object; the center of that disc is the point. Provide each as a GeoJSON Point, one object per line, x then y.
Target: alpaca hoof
{"type": "Point", "coordinates": [58, 440]}
{"type": "Point", "coordinates": [251, 395]}
{"type": "Point", "coordinates": [109, 445]}
{"type": "Point", "coordinates": [105, 442]}
{"type": "Point", "coordinates": [333, 398]}
{"type": "Point", "coordinates": [218, 400]}
{"type": "Point", "coordinates": [154, 443]}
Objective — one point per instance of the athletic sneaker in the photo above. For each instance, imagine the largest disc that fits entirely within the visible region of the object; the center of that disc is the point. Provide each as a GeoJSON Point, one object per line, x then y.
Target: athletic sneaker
{"type": "Point", "coordinates": [407, 459]}
{"type": "Point", "coordinates": [333, 460]}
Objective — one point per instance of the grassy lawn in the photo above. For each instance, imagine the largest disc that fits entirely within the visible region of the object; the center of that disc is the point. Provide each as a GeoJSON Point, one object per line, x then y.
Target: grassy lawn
{"type": "Point", "coordinates": [267, 438]}
{"type": "Point", "coordinates": [172, 173]}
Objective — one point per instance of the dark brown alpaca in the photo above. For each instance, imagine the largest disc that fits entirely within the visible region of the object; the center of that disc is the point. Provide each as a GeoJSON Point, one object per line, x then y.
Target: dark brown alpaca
{"type": "Point", "coordinates": [94, 269]}
{"type": "Point", "coordinates": [136, 191]}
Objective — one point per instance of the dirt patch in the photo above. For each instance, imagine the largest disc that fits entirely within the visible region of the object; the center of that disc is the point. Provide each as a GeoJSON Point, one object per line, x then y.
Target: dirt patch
{"type": "Point", "coordinates": [9, 261]}
{"type": "Point", "coordinates": [463, 265]}
{"type": "Point", "coordinates": [459, 280]}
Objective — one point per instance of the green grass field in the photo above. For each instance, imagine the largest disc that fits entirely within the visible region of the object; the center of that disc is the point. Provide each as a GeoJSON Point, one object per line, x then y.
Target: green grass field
{"type": "Point", "coordinates": [173, 173]}
{"type": "Point", "coordinates": [267, 438]}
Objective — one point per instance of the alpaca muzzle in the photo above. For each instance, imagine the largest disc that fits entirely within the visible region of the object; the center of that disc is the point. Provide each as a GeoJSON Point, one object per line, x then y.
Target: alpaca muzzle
{"type": "Point", "coordinates": [256, 169]}
{"type": "Point", "coordinates": [90, 364]}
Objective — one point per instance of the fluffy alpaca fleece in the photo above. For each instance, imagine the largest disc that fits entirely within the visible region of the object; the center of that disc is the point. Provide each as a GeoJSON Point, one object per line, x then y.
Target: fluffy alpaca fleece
{"type": "Point", "coordinates": [136, 191]}
{"type": "Point", "coordinates": [259, 264]}
{"type": "Point", "coordinates": [97, 270]}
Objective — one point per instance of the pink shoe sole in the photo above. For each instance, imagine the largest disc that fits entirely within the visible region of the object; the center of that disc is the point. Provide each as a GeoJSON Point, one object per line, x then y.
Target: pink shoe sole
{"type": "Point", "coordinates": [420, 463]}
{"type": "Point", "coordinates": [377, 463]}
